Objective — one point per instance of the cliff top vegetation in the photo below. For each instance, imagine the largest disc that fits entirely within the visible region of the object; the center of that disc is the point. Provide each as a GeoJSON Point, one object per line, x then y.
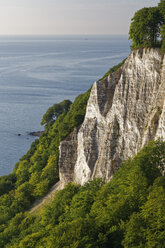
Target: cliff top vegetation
{"type": "Point", "coordinates": [147, 28]}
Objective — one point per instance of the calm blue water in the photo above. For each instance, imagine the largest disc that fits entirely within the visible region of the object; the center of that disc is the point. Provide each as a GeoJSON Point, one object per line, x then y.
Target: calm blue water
{"type": "Point", "coordinates": [36, 72]}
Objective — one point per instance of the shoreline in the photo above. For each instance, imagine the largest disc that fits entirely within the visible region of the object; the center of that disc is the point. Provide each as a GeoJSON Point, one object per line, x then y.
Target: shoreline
{"type": "Point", "coordinates": [36, 133]}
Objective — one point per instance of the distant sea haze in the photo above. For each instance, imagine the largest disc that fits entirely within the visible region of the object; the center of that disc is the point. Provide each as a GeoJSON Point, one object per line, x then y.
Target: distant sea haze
{"type": "Point", "coordinates": [38, 71]}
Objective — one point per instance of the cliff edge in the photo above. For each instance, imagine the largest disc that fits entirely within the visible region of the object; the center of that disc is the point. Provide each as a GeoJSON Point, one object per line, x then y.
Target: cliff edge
{"type": "Point", "coordinates": [125, 111]}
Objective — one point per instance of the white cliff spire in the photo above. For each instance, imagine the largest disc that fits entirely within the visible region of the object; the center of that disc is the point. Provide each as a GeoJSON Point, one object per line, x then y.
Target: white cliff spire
{"type": "Point", "coordinates": [124, 112]}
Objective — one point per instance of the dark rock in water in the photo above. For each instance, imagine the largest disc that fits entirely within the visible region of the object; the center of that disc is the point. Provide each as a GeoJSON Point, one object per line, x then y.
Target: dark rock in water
{"type": "Point", "coordinates": [19, 134]}
{"type": "Point", "coordinates": [37, 133]}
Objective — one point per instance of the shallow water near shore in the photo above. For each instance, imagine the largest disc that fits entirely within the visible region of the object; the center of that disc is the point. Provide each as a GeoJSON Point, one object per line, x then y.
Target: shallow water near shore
{"type": "Point", "coordinates": [36, 72]}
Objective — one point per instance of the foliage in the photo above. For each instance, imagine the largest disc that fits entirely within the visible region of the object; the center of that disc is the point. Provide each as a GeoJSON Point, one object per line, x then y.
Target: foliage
{"type": "Point", "coordinates": [147, 227]}
{"type": "Point", "coordinates": [126, 212]}
{"type": "Point", "coordinates": [37, 171]}
{"type": "Point", "coordinates": [7, 183]}
{"type": "Point", "coordinates": [145, 28]}
{"type": "Point", "coordinates": [161, 7]}
{"type": "Point", "coordinates": [113, 69]}
{"type": "Point", "coordinates": [163, 38]}
{"type": "Point", "coordinates": [55, 111]}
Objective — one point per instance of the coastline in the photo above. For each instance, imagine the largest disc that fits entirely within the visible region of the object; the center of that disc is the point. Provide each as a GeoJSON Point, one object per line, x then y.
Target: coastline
{"type": "Point", "coordinates": [36, 133]}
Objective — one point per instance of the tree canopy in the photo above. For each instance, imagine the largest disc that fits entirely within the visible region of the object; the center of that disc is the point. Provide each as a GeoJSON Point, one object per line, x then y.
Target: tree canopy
{"type": "Point", "coordinates": [161, 7]}
{"type": "Point", "coordinates": [126, 212]}
{"type": "Point", "coordinates": [55, 111]}
{"type": "Point", "coordinates": [145, 28]}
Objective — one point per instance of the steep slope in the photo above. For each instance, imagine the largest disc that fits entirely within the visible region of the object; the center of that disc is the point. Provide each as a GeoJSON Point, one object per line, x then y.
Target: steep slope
{"type": "Point", "coordinates": [125, 110]}
{"type": "Point", "coordinates": [126, 212]}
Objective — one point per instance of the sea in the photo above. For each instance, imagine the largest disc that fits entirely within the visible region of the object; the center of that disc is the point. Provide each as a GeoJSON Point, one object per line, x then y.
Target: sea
{"type": "Point", "coordinates": [38, 71]}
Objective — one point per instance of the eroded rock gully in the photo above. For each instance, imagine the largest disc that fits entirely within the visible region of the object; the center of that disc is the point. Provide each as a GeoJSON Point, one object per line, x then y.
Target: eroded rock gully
{"type": "Point", "coordinates": [124, 112]}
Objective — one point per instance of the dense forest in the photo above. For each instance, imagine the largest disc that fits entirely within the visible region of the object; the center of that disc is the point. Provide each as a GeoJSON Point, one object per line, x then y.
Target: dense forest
{"type": "Point", "coordinates": [37, 171]}
{"type": "Point", "coordinates": [128, 211]}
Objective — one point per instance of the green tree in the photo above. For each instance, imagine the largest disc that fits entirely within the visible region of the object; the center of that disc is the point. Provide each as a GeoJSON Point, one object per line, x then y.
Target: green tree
{"type": "Point", "coordinates": [147, 228]}
{"type": "Point", "coordinates": [7, 183]}
{"type": "Point", "coordinates": [161, 7]}
{"type": "Point", "coordinates": [163, 38]}
{"type": "Point", "coordinates": [53, 112]}
{"type": "Point", "coordinates": [145, 28]}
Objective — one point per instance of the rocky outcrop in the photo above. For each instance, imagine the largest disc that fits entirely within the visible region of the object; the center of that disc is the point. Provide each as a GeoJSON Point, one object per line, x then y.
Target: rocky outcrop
{"type": "Point", "coordinates": [68, 156]}
{"type": "Point", "coordinates": [124, 112]}
{"type": "Point", "coordinates": [36, 133]}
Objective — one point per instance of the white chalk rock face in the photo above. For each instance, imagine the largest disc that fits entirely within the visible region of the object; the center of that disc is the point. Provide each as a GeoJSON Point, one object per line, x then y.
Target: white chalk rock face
{"type": "Point", "coordinates": [124, 112]}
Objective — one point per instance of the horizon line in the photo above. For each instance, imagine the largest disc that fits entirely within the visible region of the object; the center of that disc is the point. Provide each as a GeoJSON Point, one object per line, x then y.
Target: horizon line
{"type": "Point", "coordinates": [58, 34]}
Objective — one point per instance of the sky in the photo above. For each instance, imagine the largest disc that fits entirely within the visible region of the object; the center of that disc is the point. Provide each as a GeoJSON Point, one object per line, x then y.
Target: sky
{"type": "Point", "coordinates": [51, 17]}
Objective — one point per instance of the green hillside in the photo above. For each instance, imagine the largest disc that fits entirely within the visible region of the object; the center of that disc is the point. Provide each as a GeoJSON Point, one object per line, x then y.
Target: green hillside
{"type": "Point", "coordinates": [37, 171]}
{"type": "Point", "coordinates": [126, 212]}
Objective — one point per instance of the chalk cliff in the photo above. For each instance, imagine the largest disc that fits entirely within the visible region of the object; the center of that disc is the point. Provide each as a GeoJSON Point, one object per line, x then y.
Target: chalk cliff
{"type": "Point", "coordinates": [124, 111]}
